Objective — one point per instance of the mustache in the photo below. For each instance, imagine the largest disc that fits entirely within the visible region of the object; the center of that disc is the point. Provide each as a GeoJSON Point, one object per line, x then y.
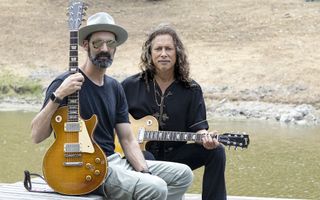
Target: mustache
{"type": "Point", "coordinates": [104, 55]}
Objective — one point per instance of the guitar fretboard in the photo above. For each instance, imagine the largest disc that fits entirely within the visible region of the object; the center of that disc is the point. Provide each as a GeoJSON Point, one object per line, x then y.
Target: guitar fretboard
{"type": "Point", "coordinates": [73, 99]}
{"type": "Point", "coordinates": [172, 136]}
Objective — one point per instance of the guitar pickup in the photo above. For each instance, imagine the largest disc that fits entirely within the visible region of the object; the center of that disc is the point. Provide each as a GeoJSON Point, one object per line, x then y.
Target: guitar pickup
{"type": "Point", "coordinates": [72, 148]}
{"type": "Point", "coordinates": [72, 127]}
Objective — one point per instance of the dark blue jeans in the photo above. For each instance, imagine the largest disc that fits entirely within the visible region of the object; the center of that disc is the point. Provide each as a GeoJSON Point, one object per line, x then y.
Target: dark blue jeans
{"type": "Point", "coordinates": [214, 161]}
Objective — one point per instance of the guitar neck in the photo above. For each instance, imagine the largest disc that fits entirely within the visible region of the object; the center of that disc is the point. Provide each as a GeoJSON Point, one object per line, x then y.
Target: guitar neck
{"type": "Point", "coordinates": [73, 99]}
{"type": "Point", "coordinates": [229, 139]}
{"type": "Point", "coordinates": [173, 136]}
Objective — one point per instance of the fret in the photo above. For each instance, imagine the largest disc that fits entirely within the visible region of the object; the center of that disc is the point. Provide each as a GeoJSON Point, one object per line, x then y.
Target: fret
{"type": "Point", "coordinates": [73, 48]}
{"type": "Point", "coordinates": [73, 101]}
{"type": "Point", "coordinates": [151, 135]}
{"type": "Point", "coordinates": [73, 107]}
{"type": "Point", "coordinates": [199, 137]}
{"type": "Point", "coordinates": [74, 54]}
{"type": "Point", "coordinates": [73, 65]}
{"type": "Point", "coordinates": [73, 34]}
{"type": "Point", "coordinates": [72, 118]}
{"type": "Point", "coordinates": [73, 59]}
{"type": "Point", "coordinates": [73, 112]}
{"type": "Point", "coordinates": [177, 136]}
{"type": "Point", "coordinates": [73, 40]}
{"type": "Point", "coordinates": [193, 136]}
{"type": "Point", "coordinates": [160, 136]}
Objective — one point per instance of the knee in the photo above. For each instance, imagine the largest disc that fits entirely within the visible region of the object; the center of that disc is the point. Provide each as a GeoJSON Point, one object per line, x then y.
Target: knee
{"type": "Point", "coordinates": [188, 175]}
{"type": "Point", "coordinates": [158, 188]}
{"type": "Point", "coordinates": [218, 154]}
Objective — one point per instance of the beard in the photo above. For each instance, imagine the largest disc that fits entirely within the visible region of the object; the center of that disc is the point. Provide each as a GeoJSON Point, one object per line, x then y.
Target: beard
{"type": "Point", "coordinates": [101, 60]}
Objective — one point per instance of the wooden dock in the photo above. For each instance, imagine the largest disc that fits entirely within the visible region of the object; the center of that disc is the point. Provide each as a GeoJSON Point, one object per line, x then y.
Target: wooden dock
{"type": "Point", "coordinates": [15, 191]}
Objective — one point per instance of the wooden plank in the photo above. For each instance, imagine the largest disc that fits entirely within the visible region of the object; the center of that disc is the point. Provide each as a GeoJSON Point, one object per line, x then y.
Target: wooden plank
{"type": "Point", "coordinates": [16, 191]}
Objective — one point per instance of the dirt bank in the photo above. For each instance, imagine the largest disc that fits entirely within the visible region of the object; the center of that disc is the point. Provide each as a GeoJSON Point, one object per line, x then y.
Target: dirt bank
{"type": "Point", "coordinates": [240, 50]}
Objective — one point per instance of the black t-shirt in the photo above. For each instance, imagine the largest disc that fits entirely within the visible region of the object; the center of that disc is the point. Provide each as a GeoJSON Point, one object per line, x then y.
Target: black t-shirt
{"type": "Point", "coordinates": [108, 102]}
{"type": "Point", "coordinates": [183, 107]}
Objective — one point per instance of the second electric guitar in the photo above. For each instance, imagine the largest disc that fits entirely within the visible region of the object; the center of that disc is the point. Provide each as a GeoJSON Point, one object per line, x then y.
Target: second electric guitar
{"type": "Point", "coordinates": [147, 129]}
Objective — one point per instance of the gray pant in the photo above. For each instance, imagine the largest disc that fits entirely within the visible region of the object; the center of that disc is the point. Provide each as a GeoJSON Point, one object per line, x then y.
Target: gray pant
{"type": "Point", "coordinates": [168, 180]}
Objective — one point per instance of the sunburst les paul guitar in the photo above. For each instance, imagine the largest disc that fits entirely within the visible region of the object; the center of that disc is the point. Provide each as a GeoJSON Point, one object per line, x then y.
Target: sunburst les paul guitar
{"type": "Point", "coordinates": [74, 164]}
{"type": "Point", "coordinates": [146, 129]}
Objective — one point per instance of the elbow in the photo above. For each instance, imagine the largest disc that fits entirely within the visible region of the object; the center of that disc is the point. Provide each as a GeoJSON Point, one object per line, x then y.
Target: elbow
{"type": "Point", "coordinates": [35, 134]}
{"type": "Point", "coordinates": [35, 139]}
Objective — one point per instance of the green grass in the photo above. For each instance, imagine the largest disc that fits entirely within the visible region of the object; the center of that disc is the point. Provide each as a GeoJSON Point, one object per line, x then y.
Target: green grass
{"type": "Point", "coordinates": [18, 86]}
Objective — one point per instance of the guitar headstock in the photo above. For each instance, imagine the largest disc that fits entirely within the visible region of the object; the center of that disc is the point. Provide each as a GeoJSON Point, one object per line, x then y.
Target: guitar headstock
{"type": "Point", "coordinates": [235, 139]}
{"type": "Point", "coordinates": [76, 11]}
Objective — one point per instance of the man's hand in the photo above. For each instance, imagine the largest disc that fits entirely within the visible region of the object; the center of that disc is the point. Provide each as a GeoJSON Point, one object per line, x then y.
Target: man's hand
{"type": "Point", "coordinates": [208, 140]}
{"type": "Point", "coordinates": [70, 85]}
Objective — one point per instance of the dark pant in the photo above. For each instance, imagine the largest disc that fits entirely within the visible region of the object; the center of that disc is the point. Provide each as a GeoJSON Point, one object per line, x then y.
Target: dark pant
{"type": "Point", "coordinates": [195, 156]}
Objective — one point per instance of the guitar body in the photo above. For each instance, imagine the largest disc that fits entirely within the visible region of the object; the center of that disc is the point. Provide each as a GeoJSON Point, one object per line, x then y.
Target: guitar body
{"type": "Point", "coordinates": [74, 172]}
{"type": "Point", "coordinates": [149, 123]}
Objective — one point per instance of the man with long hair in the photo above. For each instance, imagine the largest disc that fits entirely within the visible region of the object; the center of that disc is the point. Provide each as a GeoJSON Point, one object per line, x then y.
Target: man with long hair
{"type": "Point", "coordinates": [165, 90]}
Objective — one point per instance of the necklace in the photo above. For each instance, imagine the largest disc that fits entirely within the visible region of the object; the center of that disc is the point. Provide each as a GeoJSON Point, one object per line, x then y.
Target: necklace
{"type": "Point", "coordinates": [160, 115]}
{"type": "Point", "coordinates": [157, 93]}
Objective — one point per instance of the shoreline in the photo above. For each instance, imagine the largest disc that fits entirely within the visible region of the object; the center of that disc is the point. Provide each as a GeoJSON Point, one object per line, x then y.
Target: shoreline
{"type": "Point", "coordinates": [296, 114]}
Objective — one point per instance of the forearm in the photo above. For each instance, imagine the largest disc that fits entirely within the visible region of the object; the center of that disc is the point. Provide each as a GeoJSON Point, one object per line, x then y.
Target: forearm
{"type": "Point", "coordinates": [41, 124]}
{"type": "Point", "coordinates": [135, 156]}
{"type": "Point", "coordinates": [131, 147]}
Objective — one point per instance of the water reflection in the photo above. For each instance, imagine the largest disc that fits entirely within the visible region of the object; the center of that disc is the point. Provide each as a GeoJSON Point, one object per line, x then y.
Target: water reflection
{"type": "Point", "coordinates": [281, 161]}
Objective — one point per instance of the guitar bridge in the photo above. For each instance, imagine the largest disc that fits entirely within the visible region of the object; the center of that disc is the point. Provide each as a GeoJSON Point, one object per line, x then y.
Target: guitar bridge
{"type": "Point", "coordinates": [72, 164]}
{"type": "Point", "coordinates": [73, 155]}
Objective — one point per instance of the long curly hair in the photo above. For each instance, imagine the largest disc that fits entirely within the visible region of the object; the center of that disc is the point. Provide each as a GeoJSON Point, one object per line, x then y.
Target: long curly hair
{"type": "Point", "coordinates": [181, 68]}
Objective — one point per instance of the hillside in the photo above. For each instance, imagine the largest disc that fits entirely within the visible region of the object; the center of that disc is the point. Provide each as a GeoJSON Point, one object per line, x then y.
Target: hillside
{"type": "Point", "coordinates": [240, 50]}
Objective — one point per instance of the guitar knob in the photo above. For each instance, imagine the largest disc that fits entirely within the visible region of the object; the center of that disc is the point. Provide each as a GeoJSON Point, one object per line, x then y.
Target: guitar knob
{"type": "Point", "coordinates": [88, 178]}
{"type": "Point", "coordinates": [97, 160]}
{"type": "Point", "coordinates": [97, 172]}
{"type": "Point", "coordinates": [88, 165]}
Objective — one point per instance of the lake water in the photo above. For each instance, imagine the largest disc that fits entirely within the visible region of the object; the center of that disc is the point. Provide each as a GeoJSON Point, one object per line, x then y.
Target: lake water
{"type": "Point", "coordinates": [281, 161]}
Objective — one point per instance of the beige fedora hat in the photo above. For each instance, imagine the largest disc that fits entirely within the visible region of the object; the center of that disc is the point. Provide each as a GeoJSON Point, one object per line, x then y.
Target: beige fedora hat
{"type": "Point", "coordinates": [102, 21]}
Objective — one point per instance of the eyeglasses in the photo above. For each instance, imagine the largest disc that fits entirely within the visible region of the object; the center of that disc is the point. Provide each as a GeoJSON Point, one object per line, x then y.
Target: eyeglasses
{"type": "Point", "coordinates": [98, 43]}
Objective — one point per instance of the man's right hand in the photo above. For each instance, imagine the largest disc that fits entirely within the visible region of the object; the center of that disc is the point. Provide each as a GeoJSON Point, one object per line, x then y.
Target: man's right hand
{"type": "Point", "coordinates": [70, 85]}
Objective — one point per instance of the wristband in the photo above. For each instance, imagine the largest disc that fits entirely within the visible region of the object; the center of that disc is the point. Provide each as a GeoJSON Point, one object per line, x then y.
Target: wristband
{"type": "Point", "coordinates": [55, 99]}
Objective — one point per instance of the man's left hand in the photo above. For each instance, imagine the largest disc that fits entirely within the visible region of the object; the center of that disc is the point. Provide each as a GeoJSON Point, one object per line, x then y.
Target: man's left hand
{"type": "Point", "coordinates": [208, 140]}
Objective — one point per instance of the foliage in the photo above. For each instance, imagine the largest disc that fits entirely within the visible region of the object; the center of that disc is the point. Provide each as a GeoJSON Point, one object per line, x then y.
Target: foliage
{"type": "Point", "coordinates": [18, 86]}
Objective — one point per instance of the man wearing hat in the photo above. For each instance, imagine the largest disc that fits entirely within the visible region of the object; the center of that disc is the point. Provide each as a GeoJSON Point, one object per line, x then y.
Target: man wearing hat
{"type": "Point", "coordinates": [102, 95]}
